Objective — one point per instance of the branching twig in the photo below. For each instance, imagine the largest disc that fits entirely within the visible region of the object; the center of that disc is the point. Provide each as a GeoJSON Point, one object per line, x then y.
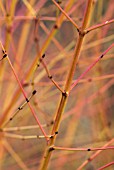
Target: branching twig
{"type": "Point", "coordinates": [70, 19]}
{"type": "Point", "coordinates": [94, 155]}
{"type": "Point", "coordinates": [20, 85]}
{"type": "Point", "coordinates": [41, 59]}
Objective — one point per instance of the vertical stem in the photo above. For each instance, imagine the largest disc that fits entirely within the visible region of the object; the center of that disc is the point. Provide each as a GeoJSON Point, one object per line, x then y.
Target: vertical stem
{"type": "Point", "coordinates": [64, 97]}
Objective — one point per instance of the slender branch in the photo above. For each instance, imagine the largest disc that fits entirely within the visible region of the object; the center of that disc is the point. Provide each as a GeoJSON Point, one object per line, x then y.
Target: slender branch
{"type": "Point", "coordinates": [19, 109]}
{"type": "Point", "coordinates": [25, 127]}
{"type": "Point", "coordinates": [54, 40]}
{"type": "Point", "coordinates": [105, 166]}
{"type": "Point", "coordinates": [64, 97]}
{"type": "Point", "coordinates": [29, 72]}
{"type": "Point", "coordinates": [94, 155]}
{"type": "Point", "coordinates": [64, 93]}
{"type": "Point", "coordinates": [99, 25]}
{"type": "Point", "coordinates": [81, 149]}
{"type": "Point", "coordinates": [23, 137]}
{"type": "Point", "coordinates": [42, 18]}
{"type": "Point", "coordinates": [42, 61]}
{"type": "Point", "coordinates": [84, 80]}
{"type": "Point", "coordinates": [90, 67]}
{"type": "Point", "coordinates": [50, 76]}
{"type": "Point", "coordinates": [70, 19]}
{"type": "Point", "coordinates": [23, 92]}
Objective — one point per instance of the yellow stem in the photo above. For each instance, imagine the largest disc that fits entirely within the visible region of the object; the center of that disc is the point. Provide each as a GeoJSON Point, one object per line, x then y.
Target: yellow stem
{"type": "Point", "coordinates": [64, 97]}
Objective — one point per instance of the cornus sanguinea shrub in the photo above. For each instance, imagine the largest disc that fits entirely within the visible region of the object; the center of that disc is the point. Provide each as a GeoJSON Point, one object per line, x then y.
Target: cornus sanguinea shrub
{"type": "Point", "coordinates": [56, 84]}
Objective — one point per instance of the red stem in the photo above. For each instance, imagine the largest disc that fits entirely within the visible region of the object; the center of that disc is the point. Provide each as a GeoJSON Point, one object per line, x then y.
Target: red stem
{"type": "Point", "coordinates": [99, 25]}
{"type": "Point", "coordinates": [105, 166]}
{"type": "Point", "coordinates": [24, 94]}
{"type": "Point", "coordinates": [90, 67]}
{"type": "Point", "coordinates": [82, 149]}
{"type": "Point", "coordinates": [31, 108]}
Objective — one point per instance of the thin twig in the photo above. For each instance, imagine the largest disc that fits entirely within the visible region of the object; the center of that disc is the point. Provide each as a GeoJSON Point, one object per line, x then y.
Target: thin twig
{"type": "Point", "coordinates": [42, 61]}
{"type": "Point", "coordinates": [23, 92]}
{"type": "Point", "coordinates": [105, 166]}
{"type": "Point", "coordinates": [90, 67]}
{"type": "Point", "coordinates": [99, 25]}
{"type": "Point", "coordinates": [19, 108]}
{"type": "Point", "coordinates": [23, 137]}
{"type": "Point", "coordinates": [64, 97]}
{"type": "Point", "coordinates": [82, 149]}
{"type": "Point", "coordinates": [70, 19]}
{"type": "Point", "coordinates": [94, 155]}
{"type": "Point", "coordinates": [25, 127]}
